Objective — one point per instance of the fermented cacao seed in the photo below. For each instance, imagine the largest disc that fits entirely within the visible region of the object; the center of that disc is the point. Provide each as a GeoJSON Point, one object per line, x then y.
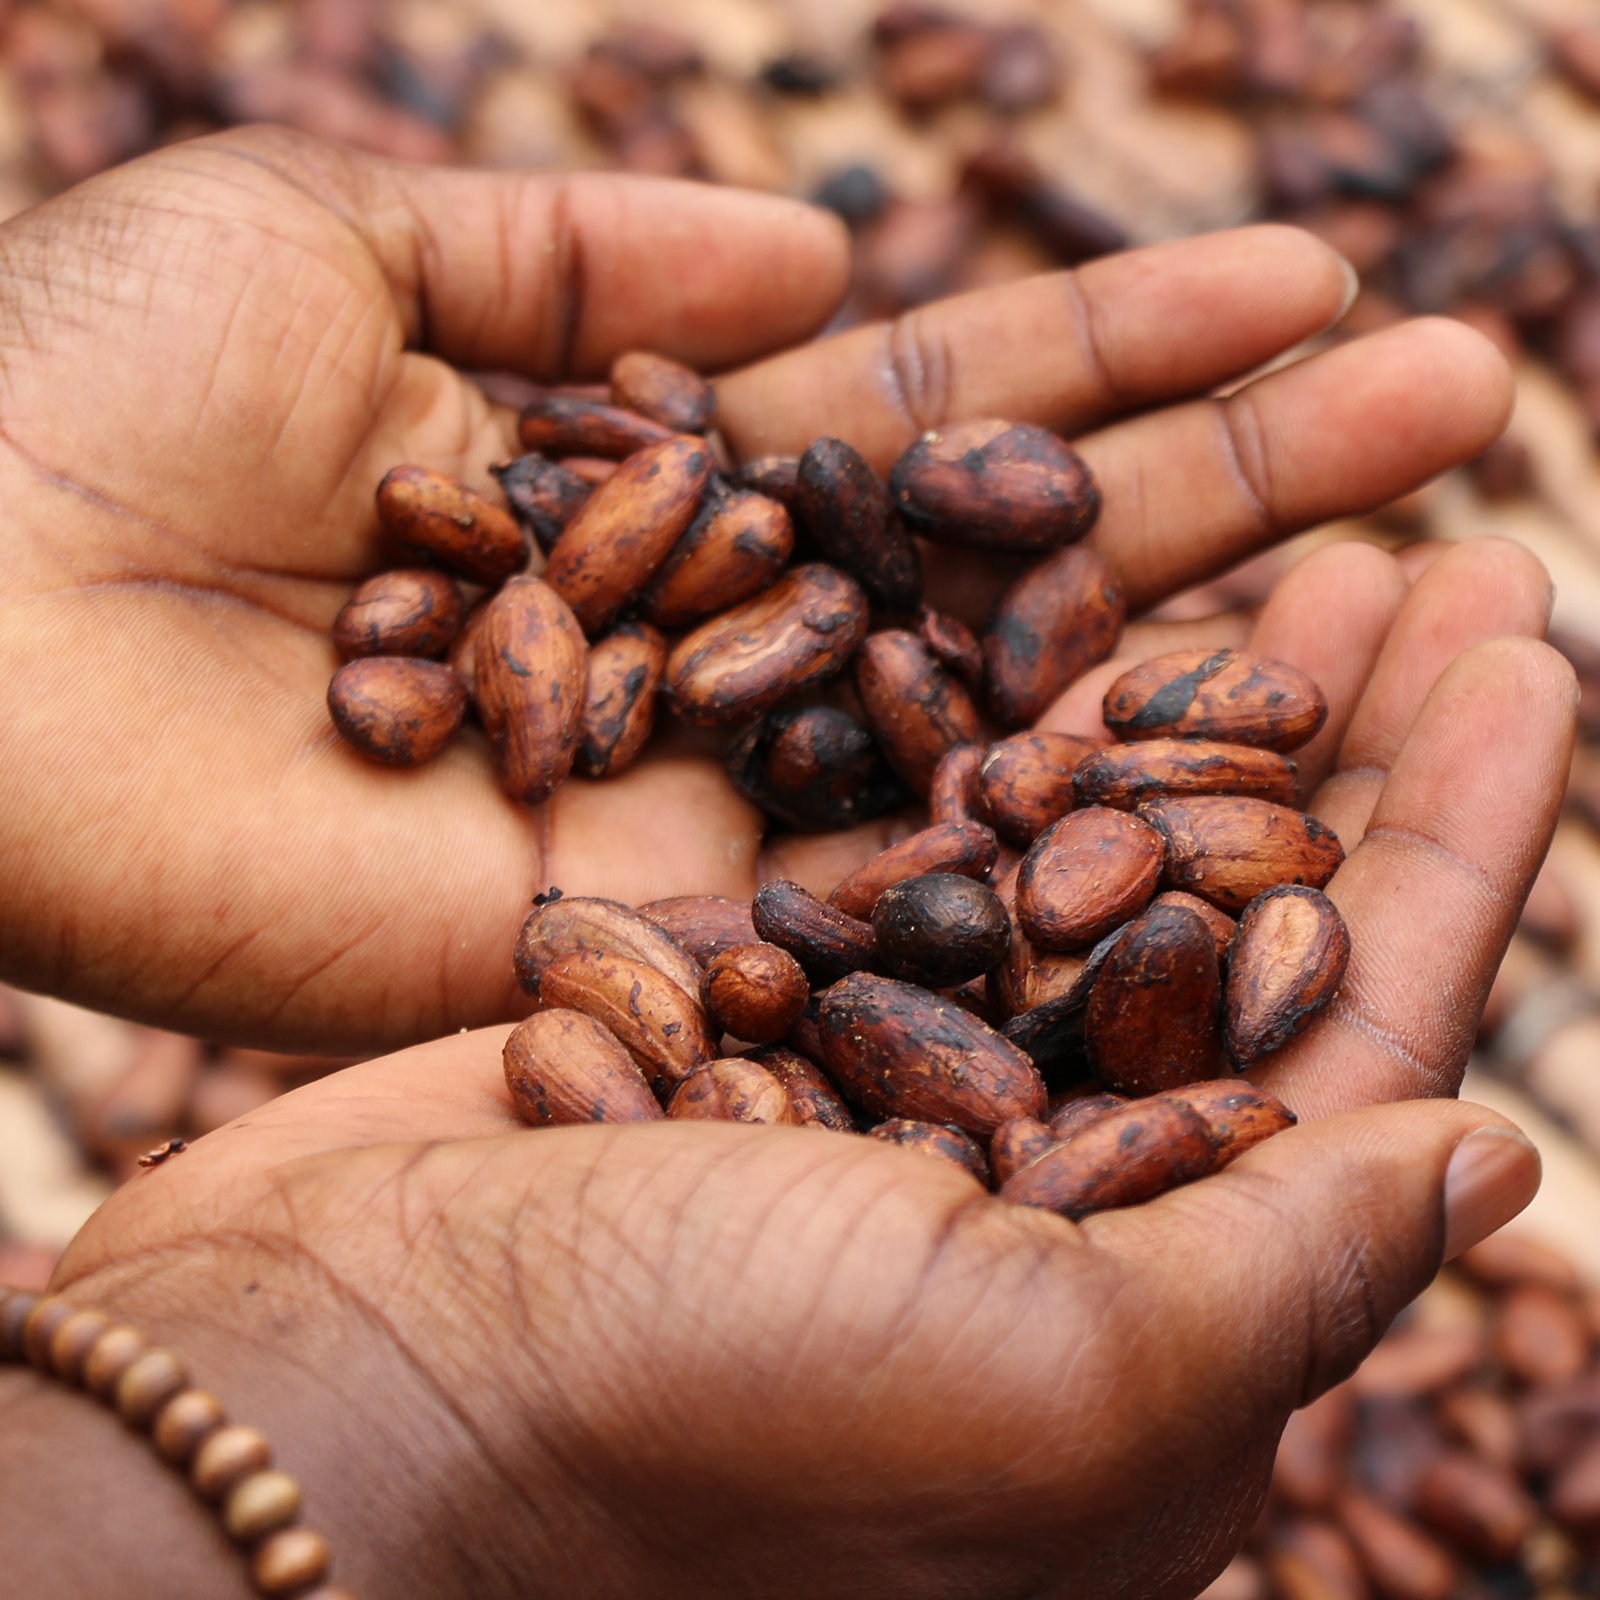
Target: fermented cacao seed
{"type": "Point", "coordinates": [954, 793]}
{"type": "Point", "coordinates": [940, 929]}
{"type": "Point", "coordinates": [1222, 926]}
{"type": "Point", "coordinates": [1071, 1117]}
{"type": "Point", "coordinates": [953, 645]}
{"type": "Point", "coordinates": [413, 611]}
{"type": "Point", "coordinates": [756, 992]}
{"type": "Point", "coordinates": [1288, 961]}
{"type": "Point", "coordinates": [814, 768]}
{"type": "Point", "coordinates": [734, 548]}
{"type": "Point", "coordinates": [663, 391]}
{"type": "Point", "coordinates": [932, 1139]}
{"type": "Point", "coordinates": [1015, 1144]}
{"type": "Point", "coordinates": [916, 707]}
{"type": "Point", "coordinates": [732, 1090]}
{"type": "Point", "coordinates": [816, 1103]}
{"type": "Point", "coordinates": [967, 848]}
{"type": "Point", "coordinates": [1027, 782]}
{"type": "Point", "coordinates": [825, 941]}
{"type": "Point", "coordinates": [1216, 694]}
{"type": "Point", "coordinates": [704, 924]}
{"type": "Point", "coordinates": [842, 507]}
{"type": "Point", "coordinates": [619, 703]}
{"type": "Point", "coordinates": [592, 470]}
{"type": "Point", "coordinates": [1028, 976]}
{"type": "Point", "coordinates": [544, 496]}
{"type": "Point", "coordinates": [1083, 875]}
{"type": "Point", "coordinates": [1228, 850]}
{"type": "Point", "coordinates": [1237, 1115]}
{"type": "Point", "coordinates": [463, 654]}
{"type": "Point", "coordinates": [1051, 1033]}
{"type": "Point", "coordinates": [429, 515]}
{"type": "Point", "coordinates": [1126, 775]}
{"type": "Point", "coordinates": [565, 926]}
{"type": "Point", "coordinates": [564, 1067]}
{"type": "Point", "coordinates": [777, 477]}
{"type": "Point", "coordinates": [558, 426]}
{"type": "Point", "coordinates": [396, 709]}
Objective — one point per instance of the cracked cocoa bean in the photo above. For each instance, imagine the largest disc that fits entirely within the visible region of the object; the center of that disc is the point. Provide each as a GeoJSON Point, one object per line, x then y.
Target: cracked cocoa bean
{"type": "Point", "coordinates": [396, 709]}
{"type": "Point", "coordinates": [619, 702]}
{"type": "Point", "coordinates": [1051, 1033]}
{"type": "Point", "coordinates": [1216, 694]}
{"type": "Point", "coordinates": [429, 515]}
{"type": "Point", "coordinates": [1085, 874]}
{"type": "Point", "coordinates": [917, 708]}
{"type": "Point", "coordinates": [1026, 782]}
{"type": "Point", "coordinates": [826, 942]}
{"type": "Point", "coordinates": [558, 426]}
{"type": "Point", "coordinates": [563, 1067]}
{"type": "Point", "coordinates": [663, 391]}
{"type": "Point", "coordinates": [842, 507]}
{"type": "Point", "coordinates": [940, 929]}
{"type": "Point", "coordinates": [932, 1139]}
{"type": "Point", "coordinates": [1288, 961]}
{"type": "Point", "coordinates": [954, 645]}
{"type": "Point", "coordinates": [1127, 775]}
{"type": "Point", "coordinates": [734, 548]}
{"type": "Point", "coordinates": [756, 992]}
{"type": "Point", "coordinates": [1228, 850]}
{"type": "Point", "coordinates": [966, 848]}
{"type": "Point", "coordinates": [413, 611]}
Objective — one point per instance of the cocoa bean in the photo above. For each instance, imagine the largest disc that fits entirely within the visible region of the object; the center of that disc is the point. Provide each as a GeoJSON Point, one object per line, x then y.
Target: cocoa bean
{"type": "Point", "coordinates": [704, 924]}
{"type": "Point", "coordinates": [731, 1090]}
{"type": "Point", "coordinates": [1553, 1423]}
{"type": "Point", "coordinates": [965, 848]}
{"type": "Point", "coordinates": [1026, 782]}
{"type": "Point", "coordinates": [1310, 1468]}
{"type": "Point", "coordinates": [1071, 1117]}
{"type": "Point", "coordinates": [1084, 875]}
{"type": "Point", "coordinates": [1131, 1154]}
{"type": "Point", "coordinates": [1056, 621]}
{"type": "Point", "coordinates": [796, 635]}
{"type": "Point", "coordinates": [935, 65]}
{"type": "Point", "coordinates": [825, 941]}
{"type": "Point", "coordinates": [1417, 1361]}
{"type": "Point", "coordinates": [734, 548]}
{"type": "Point", "coordinates": [414, 611]}
{"type": "Point", "coordinates": [1310, 1559]}
{"type": "Point", "coordinates": [816, 1103]}
{"type": "Point", "coordinates": [842, 507]}
{"type": "Point", "coordinates": [1287, 963]}
{"type": "Point", "coordinates": [429, 515]}
{"type": "Point", "coordinates": [777, 477]}
{"type": "Point", "coordinates": [1216, 694]}
{"type": "Point", "coordinates": [940, 929]}
{"type": "Point", "coordinates": [463, 654]}
{"type": "Point", "coordinates": [613, 546]}
{"type": "Point", "coordinates": [1484, 1421]}
{"type": "Point", "coordinates": [954, 645]}
{"type": "Point", "coordinates": [396, 709]}
{"type": "Point", "coordinates": [592, 470]}
{"type": "Point", "coordinates": [954, 794]}
{"type": "Point", "coordinates": [559, 426]}
{"type": "Point", "coordinates": [997, 485]}
{"type": "Point", "coordinates": [756, 992]}
{"type": "Point", "coordinates": [813, 768]}
{"type": "Point", "coordinates": [1051, 1033]}
{"type": "Point", "coordinates": [1015, 1144]}
{"type": "Point", "coordinates": [1540, 1337]}
{"type": "Point", "coordinates": [573, 923]}
{"type": "Point", "coordinates": [1229, 850]}
{"type": "Point", "coordinates": [663, 391]}
{"type": "Point", "coordinates": [619, 702]}
{"type": "Point", "coordinates": [1126, 775]}
{"type": "Point", "coordinates": [564, 1067]}
{"type": "Point", "coordinates": [1152, 1022]}
{"type": "Point", "coordinates": [1575, 1492]}
{"type": "Point", "coordinates": [531, 667]}
{"type": "Point", "coordinates": [1237, 1115]}
{"type": "Point", "coordinates": [544, 496]}
{"type": "Point", "coordinates": [898, 1051]}
{"type": "Point", "coordinates": [1404, 1562]}
{"type": "Point", "coordinates": [1508, 1258]}
{"type": "Point", "coordinates": [1028, 976]}
{"type": "Point", "coordinates": [916, 707]}
{"type": "Point", "coordinates": [931, 1139]}
{"type": "Point", "coordinates": [1481, 1509]}
{"type": "Point", "coordinates": [1223, 927]}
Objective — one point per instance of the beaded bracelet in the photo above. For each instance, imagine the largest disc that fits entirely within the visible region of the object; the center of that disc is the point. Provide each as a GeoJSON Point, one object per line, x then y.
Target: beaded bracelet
{"type": "Point", "coordinates": [228, 1465]}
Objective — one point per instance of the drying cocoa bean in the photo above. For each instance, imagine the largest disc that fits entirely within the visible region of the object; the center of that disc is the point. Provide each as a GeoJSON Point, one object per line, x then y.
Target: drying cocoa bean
{"type": "Point", "coordinates": [613, 546]}
{"type": "Point", "coordinates": [825, 941]}
{"type": "Point", "coordinates": [734, 548]}
{"type": "Point", "coordinates": [954, 793]}
{"type": "Point", "coordinates": [953, 645]}
{"type": "Point", "coordinates": [940, 929]}
{"type": "Point", "coordinates": [900, 1051]}
{"type": "Point", "coordinates": [1237, 1115]}
{"type": "Point", "coordinates": [1288, 960]}
{"type": "Point", "coordinates": [572, 923]}
{"type": "Point", "coordinates": [544, 496]}
{"type": "Point", "coordinates": [396, 709]}
{"type": "Point", "coordinates": [663, 391]}
{"type": "Point", "coordinates": [932, 1139]}
{"type": "Point", "coordinates": [965, 848]}
{"type": "Point", "coordinates": [463, 654]}
{"type": "Point", "coordinates": [1216, 694]}
{"type": "Point", "coordinates": [998, 485]}
{"type": "Point", "coordinates": [414, 611]}
{"type": "Point", "coordinates": [916, 707]}
{"type": "Point", "coordinates": [1056, 621]}
{"type": "Point", "coordinates": [1083, 875]}
{"type": "Point", "coordinates": [815, 1101]}
{"type": "Point", "coordinates": [1229, 850]}
{"type": "Point", "coordinates": [756, 992]}
{"type": "Point", "coordinates": [564, 1067]}
{"type": "Point", "coordinates": [1223, 927]}
{"type": "Point", "coordinates": [1071, 1117]}
{"type": "Point", "coordinates": [428, 515]}
{"type": "Point", "coordinates": [1015, 1144]}
{"type": "Point", "coordinates": [777, 477]}
{"type": "Point", "coordinates": [619, 702]}
{"type": "Point", "coordinates": [559, 426]}
{"type": "Point", "coordinates": [704, 924]}
{"type": "Point", "coordinates": [1026, 782]}
{"type": "Point", "coordinates": [1480, 1508]}
{"type": "Point", "coordinates": [732, 1090]}
{"type": "Point", "coordinates": [531, 667]}
{"type": "Point", "coordinates": [1126, 775]}
{"type": "Point", "coordinates": [813, 768]}
{"type": "Point", "coordinates": [842, 507]}
{"type": "Point", "coordinates": [796, 635]}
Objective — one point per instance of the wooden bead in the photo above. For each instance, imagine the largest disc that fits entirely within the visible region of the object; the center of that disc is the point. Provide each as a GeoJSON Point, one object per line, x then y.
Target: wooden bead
{"type": "Point", "coordinates": [259, 1505]}
{"type": "Point", "coordinates": [288, 1561]}
{"type": "Point", "coordinates": [148, 1384]}
{"type": "Point", "coordinates": [184, 1423]}
{"type": "Point", "coordinates": [72, 1341]}
{"type": "Point", "coordinates": [14, 1309]}
{"type": "Point", "coordinates": [111, 1355]}
{"type": "Point", "coordinates": [48, 1313]}
{"type": "Point", "coordinates": [231, 1453]}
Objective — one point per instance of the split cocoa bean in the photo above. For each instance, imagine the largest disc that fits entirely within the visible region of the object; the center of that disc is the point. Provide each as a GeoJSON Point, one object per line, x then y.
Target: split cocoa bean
{"type": "Point", "coordinates": [823, 939]}
{"type": "Point", "coordinates": [663, 390]}
{"type": "Point", "coordinates": [732, 1090]}
{"type": "Point", "coordinates": [563, 1067]}
{"type": "Point", "coordinates": [1127, 775]}
{"type": "Point", "coordinates": [1220, 694]}
{"type": "Point", "coordinates": [940, 929]}
{"type": "Point", "coordinates": [413, 611]}
{"type": "Point", "coordinates": [704, 924]}
{"type": "Point", "coordinates": [813, 768]}
{"type": "Point", "coordinates": [572, 923]}
{"type": "Point", "coordinates": [1085, 874]}
{"type": "Point", "coordinates": [734, 548]}
{"type": "Point", "coordinates": [544, 496]}
{"type": "Point", "coordinates": [916, 707]}
{"type": "Point", "coordinates": [756, 992]}
{"type": "Point", "coordinates": [1028, 976]}
{"type": "Point", "coordinates": [1051, 1033]}
{"type": "Point", "coordinates": [1288, 960]}
{"type": "Point", "coordinates": [1027, 782]}
{"type": "Point", "coordinates": [932, 1139]}
{"type": "Point", "coordinates": [396, 709]}
{"type": "Point", "coordinates": [815, 1101]}
{"type": "Point", "coordinates": [965, 848]}
{"type": "Point", "coordinates": [556, 425]}
{"type": "Point", "coordinates": [619, 702]}
{"type": "Point", "coordinates": [843, 509]}
{"type": "Point", "coordinates": [427, 515]}
{"type": "Point", "coordinates": [1229, 850]}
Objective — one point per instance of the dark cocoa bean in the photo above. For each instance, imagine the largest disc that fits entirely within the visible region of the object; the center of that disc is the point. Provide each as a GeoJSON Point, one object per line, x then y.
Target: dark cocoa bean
{"type": "Point", "coordinates": [756, 992]}
{"type": "Point", "coordinates": [777, 477]}
{"type": "Point", "coordinates": [1015, 1144]}
{"type": "Point", "coordinates": [564, 1067]}
{"type": "Point", "coordinates": [814, 768]}
{"type": "Point", "coordinates": [1480, 1508]}
{"type": "Point", "coordinates": [842, 507]}
{"type": "Point", "coordinates": [663, 391]}
{"type": "Point", "coordinates": [397, 709]}
{"type": "Point", "coordinates": [1071, 1117]}
{"type": "Point", "coordinates": [1051, 1033]}
{"type": "Point", "coordinates": [916, 707]}
{"type": "Point", "coordinates": [1404, 1562]}
{"type": "Point", "coordinates": [933, 1139]}
{"type": "Point", "coordinates": [1084, 875]}
{"type": "Point", "coordinates": [1228, 850]}
{"type": "Point", "coordinates": [572, 923]}
{"type": "Point", "coordinates": [558, 426]}
{"type": "Point", "coordinates": [954, 793]}
{"type": "Point", "coordinates": [940, 929]}
{"type": "Point", "coordinates": [966, 848]}
{"type": "Point", "coordinates": [1287, 963]}
{"type": "Point", "coordinates": [704, 924]}
{"type": "Point", "coordinates": [429, 515]}
{"type": "Point", "coordinates": [1027, 782]}
{"type": "Point", "coordinates": [816, 1102]}
{"type": "Point", "coordinates": [1223, 927]}
{"type": "Point", "coordinates": [1237, 1115]}
{"type": "Point", "coordinates": [825, 941]}
{"type": "Point", "coordinates": [414, 611]}
{"type": "Point", "coordinates": [731, 1090]}
{"type": "Point", "coordinates": [736, 546]}
{"type": "Point", "coordinates": [544, 496]}
{"type": "Point", "coordinates": [1126, 775]}
{"type": "Point", "coordinates": [619, 703]}
{"type": "Point", "coordinates": [1216, 694]}
{"type": "Point", "coordinates": [954, 645]}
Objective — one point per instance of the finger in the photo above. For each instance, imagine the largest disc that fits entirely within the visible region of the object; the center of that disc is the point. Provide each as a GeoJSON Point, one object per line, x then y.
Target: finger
{"type": "Point", "coordinates": [1481, 590]}
{"type": "Point", "coordinates": [1066, 349]}
{"type": "Point", "coordinates": [1433, 891]}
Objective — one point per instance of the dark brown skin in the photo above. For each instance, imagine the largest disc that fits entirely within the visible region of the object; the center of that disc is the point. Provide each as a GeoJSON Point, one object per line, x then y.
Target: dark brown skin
{"type": "Point", "coordinates": [798, 634]}
{"type": "Point", "coordinates": [954, 793]}
{"type": "Point", "coordinates": [543, 495]}
{"type": "Point", "coordinates": [841, 507]}
{"type": "Point", "coordinates": [1237, 1115]}
{"type": "Point", "coordinates": [531, 667]}
{"type": "Point", "coordinates": [826, 942]}
{"type": "Point", "coordinates": [1229, 850]}
{"type": "Point", "coordinates": [736, 546]}
{"type": "Point", "coordinates": [997, 485]}
{"type": "Point", "coordinates": [429, 515]}
{"type": "Point", "coordinates": [1477, 1506]}
{"type": "Point", "coordinates": [954, 645]}
{"type": "Point", "coordinates": [1083, 875]}
{"type": "Point", "coordinates": [967, 848]}
{"type": "Point", "coordinates": [940, 930]}
{"type": "Point", "coordinates": [1127, 775]}
{"type": "Point", "coordinates": [1071, 1117]}
{"type": "Point", "coordinates": [933, 1139]}
{"type": "Point", "coordinates": [1288, 961]}
{"type": "Point", "coordinates": [732, 1090]}
{"type": "Point", "coordinates": [1015, 1144]}
{"type": "Point", "coordinates": [1222, 926]}
{"type": "Point", "coordinates": [614, 545]}
{"type": "Point", "coordinates": [704, 924]}
{"type": "Point", "coordinates": [397, 709]}
{"type": "Point", "coordinates": [565, 926]}
{"type": "Point", "coordinates": [412, 611]}
{"type": "Point", "coordinates": [1152, 1022]}
{"type": "Point", "coordinates": [816, 1102]}
{"type": "Point", "coordinates": [663, 390]}
{"type": "Point", "coordinates": [813, 768]}
{"type": "Point", "coordinates": [900, 1051]}
{"type": "Point", "coordinates": [1026, 782]}
{"type": "Point", "coordinates": [917, 708]}
{"type": "Point", "coordinates": [777, 477]}
{"type": "Point", "coordinates": [756, 992]}
{"type": "Point", "coordinates": [619, 701]}
{"type": "Point", "coordinates": [1056, 621]}
{"type": "Point", "coordinates": [1216, 694]}
{"type": "Point", "coordinates": [563, 1067]}
{"type": "Point", "coordinates": [557, 426]}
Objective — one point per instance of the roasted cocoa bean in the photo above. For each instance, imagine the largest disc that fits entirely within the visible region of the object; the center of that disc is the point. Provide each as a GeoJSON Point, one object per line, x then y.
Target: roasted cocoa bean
{"type": "Point", "coordinates": [953, 645]}
{"type": "Point", "coordinates": [940, 929]}
{"type": "Point", "coordinates": [613, 546]}
{"type": "Point", "coordinates": [1026, 782]}
{"type": "Point", "coordinates": [1126, 775]}
{"type": "Point", "coordinates": [734, 548]}
{"type": "Point", "coordinates": [1056, 621]}
{"type": "Point", "coordinates": [1131, 1154]}
{"type": "Point", "coordinates": [531, 667]}
{"type": "Point", "coordinates": [842, 507]}
{"type": "Point", "coordinates": [564, 1067]}
{"type": "Point", "coordinates": [663, 391]}
{"type": "Point", "coordinates": [777, 477]}
{"type": "Point", "coordinates": [704, 924]}
{"type": "Point", "coordinates": [429, 515]}
{"type": "Point", "coordinates": [1237, 1115]}
{"type": "Point", "coordinates": [916, 707]}
{"type": "Point", "coordinates": [816, 1103]}
{"type": "Point", "coordinates": [1287, 963]}
{"type": "Point", "coordinates": [756, 992]}
{"type": "Point", "coordinates": [964, 848]}
{"type": "Point", "coordinates": [1216, 694]}
{"type": "Point", "coordinates": [825, 941]}
{"type": "Point", "coordinates": [619, 703]}
{"type": "Point", "coordinates": [396, 709]}
{"type": "Point", "coordinates": [1479, 1508]}
{"type": "Point", "coordinates": [998, 485]}
{"type": "Point", "coordinates": [1071, 1117]}
{"type": "Point", "coordinates": [556, 425]}
{"type": "Point", "coordinates": [573, 923]}
{"type": "Point", "coordinates": [1015, 1144]}
{"type": "Point", "coordinates": [1540, 1337]}
{"type": "Point", "coordinates": [1553, 1424]}
{"type": "Point", "coordinates": [413, 611]}
{"type": "Point", "coordinates": [932, 1139]}
{"type": "Point", "coordinates": [954, 793]}
{"type": "Point", "coordinates": [814, 768]}
{"type": "Point", "coordinates": [1223, 927]}
{"type": "Point", "coordinates": [796, 635]}
{"type": "Point", "coordinates": [544, 496]}
{"type": "Point", "coordinates": [1229, 850]}
{"type": "Point", "coordinates": [731, 1090]}
{"type": "Point", "coordinates": [1084, 875]}
{"type": "Point", "coordinates": [900, 1051]}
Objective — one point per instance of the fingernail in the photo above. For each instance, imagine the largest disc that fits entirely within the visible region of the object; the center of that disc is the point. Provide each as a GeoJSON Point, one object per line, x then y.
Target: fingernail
{"type": "Point", "coordinates": [1352, 287]}
{"type": "Point", "coordinates": [1492, 1175]}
